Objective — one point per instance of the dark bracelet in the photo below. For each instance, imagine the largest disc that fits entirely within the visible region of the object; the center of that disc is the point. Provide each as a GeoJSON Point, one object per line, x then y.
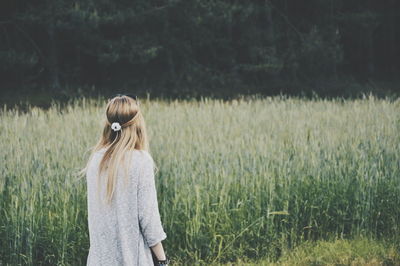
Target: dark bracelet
{"type": "Point", "coordinates": [163, 262]}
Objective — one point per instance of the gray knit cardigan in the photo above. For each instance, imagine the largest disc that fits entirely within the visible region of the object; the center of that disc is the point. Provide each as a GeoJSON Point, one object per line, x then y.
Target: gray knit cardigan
{"type": "Point", "coordinates": [122, 232]}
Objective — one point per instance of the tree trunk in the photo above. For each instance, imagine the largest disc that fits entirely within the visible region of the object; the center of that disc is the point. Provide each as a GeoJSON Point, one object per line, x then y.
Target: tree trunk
{"type": "Point", "coordinates": [52, 63]}
{"type": "Point", "coordinates": [334, 31]}
{"type": "Point", "coordinates": [370, 52]}
{"type": "Point", "coordinates": [271, 42]}
{"type": "Point", "coordinates": [291, 60]}
{"type": "Point", "coordinates": [167, 43]}
{"type": "Point", "coordinates": [392, 37]}
{"type": "Point", "coordinates": [270, 25]}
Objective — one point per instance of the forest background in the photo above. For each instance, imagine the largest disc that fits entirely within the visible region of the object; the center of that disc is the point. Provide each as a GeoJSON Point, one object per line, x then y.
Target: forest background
{"type": "Point", "coordinates": [193, 48]}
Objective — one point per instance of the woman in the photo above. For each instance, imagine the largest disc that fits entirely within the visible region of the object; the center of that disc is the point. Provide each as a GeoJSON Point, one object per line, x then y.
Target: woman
{"type": "Point", "coordinates": [123, 216]}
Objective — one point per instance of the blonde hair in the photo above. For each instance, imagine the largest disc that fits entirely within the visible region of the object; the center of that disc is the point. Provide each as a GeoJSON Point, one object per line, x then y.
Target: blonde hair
{"type": "Point", "coordinates": [124, 110]}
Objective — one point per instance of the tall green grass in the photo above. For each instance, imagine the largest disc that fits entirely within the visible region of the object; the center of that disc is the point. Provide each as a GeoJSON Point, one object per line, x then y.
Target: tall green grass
{"type": "Point", "coordinates": [240, 179]}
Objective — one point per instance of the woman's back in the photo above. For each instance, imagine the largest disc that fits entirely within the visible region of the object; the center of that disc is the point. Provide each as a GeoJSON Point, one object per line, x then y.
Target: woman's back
{"type": "Point", "coordinates": [122, 232]}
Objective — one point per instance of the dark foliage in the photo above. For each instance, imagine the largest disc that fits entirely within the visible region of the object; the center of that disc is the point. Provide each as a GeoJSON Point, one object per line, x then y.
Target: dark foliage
{"type": "Point", "coordinates": [199, 47]}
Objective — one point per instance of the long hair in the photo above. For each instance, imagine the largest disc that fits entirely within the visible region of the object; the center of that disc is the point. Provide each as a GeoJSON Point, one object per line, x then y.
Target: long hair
{"type": "Point", "coordinates": [124, 110]}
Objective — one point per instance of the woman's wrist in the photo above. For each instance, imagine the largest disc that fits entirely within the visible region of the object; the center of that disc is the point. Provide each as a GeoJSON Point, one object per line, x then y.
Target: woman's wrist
{"type": "Point", "coordinates": [163, 262]}
{"type": "Point", "coordinates": [159, 256]}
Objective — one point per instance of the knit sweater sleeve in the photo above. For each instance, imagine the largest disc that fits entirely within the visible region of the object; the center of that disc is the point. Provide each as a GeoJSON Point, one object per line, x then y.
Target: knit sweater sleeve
{"type": "Point", "coordinates": [149, 216]}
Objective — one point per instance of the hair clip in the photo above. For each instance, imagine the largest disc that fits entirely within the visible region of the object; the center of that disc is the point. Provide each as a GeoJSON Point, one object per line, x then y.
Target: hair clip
{"type": "Point", "coordinates": [116, 126]}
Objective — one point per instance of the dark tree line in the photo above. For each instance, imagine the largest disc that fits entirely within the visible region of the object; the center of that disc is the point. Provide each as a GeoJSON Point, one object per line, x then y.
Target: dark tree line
{"type": "Point", "coordinates": [197, 46]}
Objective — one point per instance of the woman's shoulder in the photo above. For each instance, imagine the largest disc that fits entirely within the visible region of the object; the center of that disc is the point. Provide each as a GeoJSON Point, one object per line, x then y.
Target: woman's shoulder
{"type": "Point", "coordinates": [144, 155]}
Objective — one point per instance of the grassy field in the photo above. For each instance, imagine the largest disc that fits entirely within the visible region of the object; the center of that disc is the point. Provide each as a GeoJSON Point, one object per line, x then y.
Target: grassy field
{"type": "Point", "coordinates": [240, 180]}
{"type": "Point", "coordinates": [355, 252]}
